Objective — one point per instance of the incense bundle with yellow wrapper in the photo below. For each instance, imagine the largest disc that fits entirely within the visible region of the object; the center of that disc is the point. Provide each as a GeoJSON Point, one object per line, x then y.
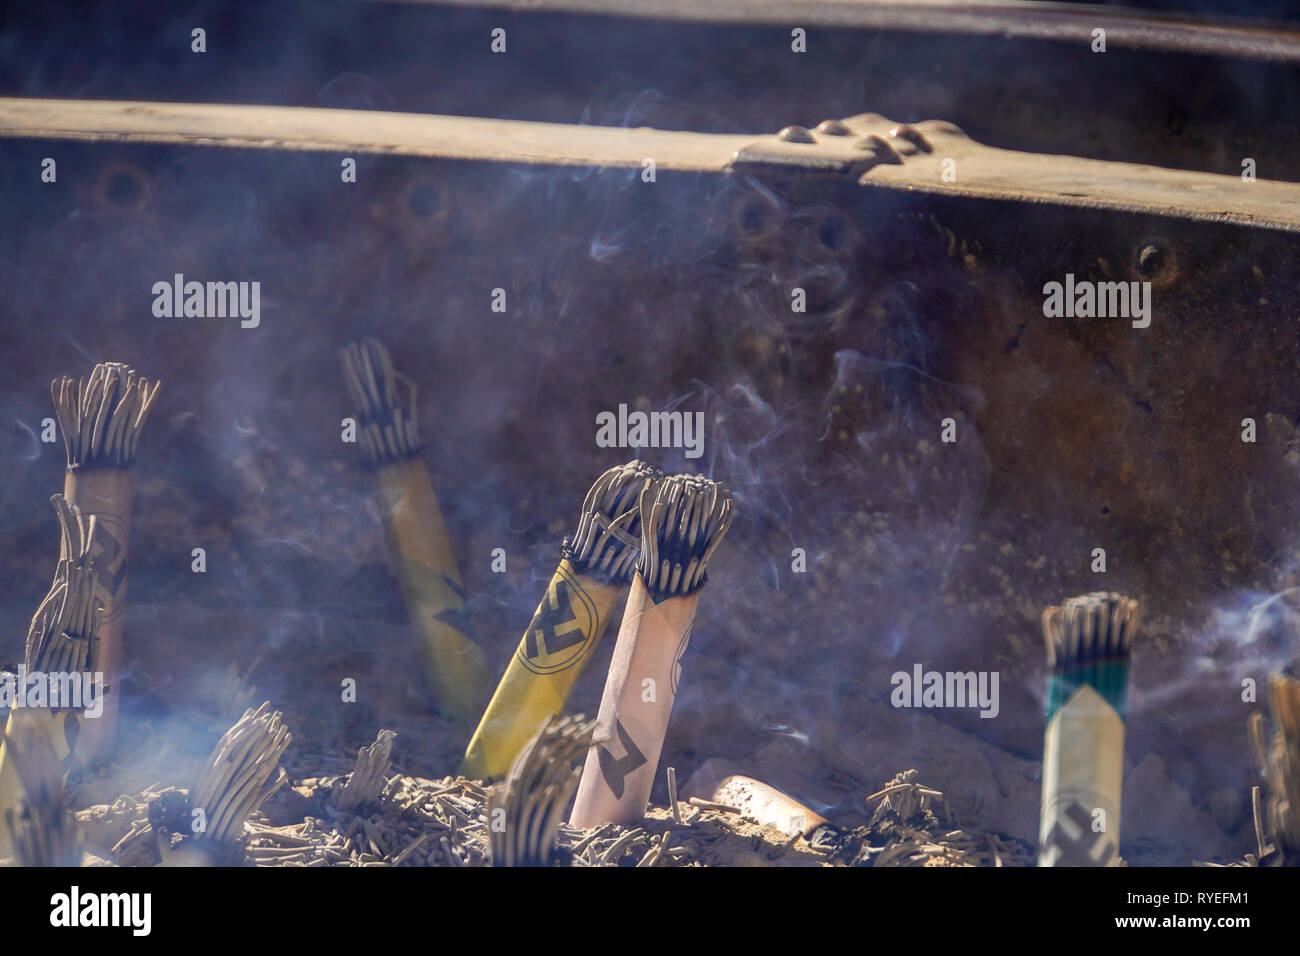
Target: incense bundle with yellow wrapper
{"type": "Point", "coordinates": [683, 520]}
{"type": "Point", "coordinates": [101, 418]}
{"type": "Point", "coordinates": [418, 544]}
{"type": "Point", "coordinates": [1088, 644]}
{"type": "Point", "coordinates": [60, 683]}
{"type": "Point", "coordinates": [596, 564]}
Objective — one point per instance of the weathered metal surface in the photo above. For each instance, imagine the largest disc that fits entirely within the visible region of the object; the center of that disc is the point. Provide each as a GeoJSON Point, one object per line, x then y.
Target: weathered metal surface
{"type": "Point", "coordinates": [363, 131]}
{"type": "Point", "coordinates": [875, 150]}
{"type": "Point", "coordinates": [879, 152]}
{"type": "Point", "coordinates": [1006, 18]}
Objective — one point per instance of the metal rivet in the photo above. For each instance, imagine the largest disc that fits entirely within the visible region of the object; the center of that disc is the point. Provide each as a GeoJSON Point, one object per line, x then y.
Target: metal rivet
{"type": "Point", "coordinates": [832, 127]}
{"type": "Point", "coordinates": [884, 152]}
{"type": "Point", "coordinates": [912, 135]}
{"type": "Point", "coordinates": [795, 134]}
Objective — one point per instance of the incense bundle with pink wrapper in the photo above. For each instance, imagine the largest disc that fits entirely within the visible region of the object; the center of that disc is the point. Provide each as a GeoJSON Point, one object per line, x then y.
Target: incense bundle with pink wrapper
{"type": "Point", "coordinates": [683, 520]}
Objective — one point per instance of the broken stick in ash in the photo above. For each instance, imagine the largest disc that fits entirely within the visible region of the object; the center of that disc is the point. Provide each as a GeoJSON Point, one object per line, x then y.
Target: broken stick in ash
{"type": "Point", "coordinates": [597, 564]}
{"type": "Point", "coordinates": [418, 543]}
{"type": "Point", "coordinates": [525, 811]}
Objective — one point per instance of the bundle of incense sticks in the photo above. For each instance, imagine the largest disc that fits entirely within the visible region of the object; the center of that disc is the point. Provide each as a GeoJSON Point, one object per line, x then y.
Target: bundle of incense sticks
{"type": "Point", "coordinates": [1088, 643]}
{"type": "Point", "coordinates": [237, 779]}
{"type": "Point", "coordinates": [61, 642]}
{"type": "Point", "coordinates": [417, 537]}
{"type": "Point", "coordinates": [524, 812]}
{"type": "Point", "coordinates": [1277, 808]}
{"type": "Point", "coordinates": [101, 418]}
{"type": "Point", "coordinates": [596, 564]}
{"type": "Point", "coordinates": [683, 519]}
{"type": "Point", "coordinates": [42, 830]}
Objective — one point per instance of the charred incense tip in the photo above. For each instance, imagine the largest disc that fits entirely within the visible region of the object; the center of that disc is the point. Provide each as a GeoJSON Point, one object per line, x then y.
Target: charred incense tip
{"type": "Point", "coordinates": [239, 776]}
{"type": "Point", "coordinates": [42, 829]}
{"type": "Point", "coordinates": [1090, 628]}
{"type": "Point", "coordinates": [61, 637]}
{"type": "Point", "coordinates": [387, 427]}
{"type": "Point", "coordinates": [608, 540]}
{"type": "Point", "coordinates": [536, 793]}
{"type": "Point", "coordinates": [684, 518]}
{"type": "Point", "coordinates": [1088, 642]}
{"type": "Point", "coordinates": [101, 416]}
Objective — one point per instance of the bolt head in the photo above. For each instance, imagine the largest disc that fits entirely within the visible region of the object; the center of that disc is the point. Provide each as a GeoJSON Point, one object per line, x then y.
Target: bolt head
{"type": "Point", "coordinates": [832, 127]}
{"type": "Point", "coordinates": [795, 134]}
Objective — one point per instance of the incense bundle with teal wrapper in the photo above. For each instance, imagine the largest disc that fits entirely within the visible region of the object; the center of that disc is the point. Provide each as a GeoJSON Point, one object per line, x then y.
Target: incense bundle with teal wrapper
{"type": "Point", "coordinates": [1088, 643]}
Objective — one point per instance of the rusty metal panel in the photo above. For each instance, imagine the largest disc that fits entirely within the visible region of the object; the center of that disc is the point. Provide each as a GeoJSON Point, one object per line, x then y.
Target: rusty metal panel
{"type": "Point", "coordinates": [869, 149]}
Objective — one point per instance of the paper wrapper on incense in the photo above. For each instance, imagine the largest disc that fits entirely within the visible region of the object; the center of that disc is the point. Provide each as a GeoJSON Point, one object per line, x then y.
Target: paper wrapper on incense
{"type": "Point", "coordinates": [683, 520]}
{"type": "Point", "coordinates": [431, 586]}
{"type": "Point", "coordinates": [418, 544]}
{"type": "Point", "coordinates": [561, 637]}
{"type": "Point", "coordinates": [1088, 641]}
{"type": "Point", "coordinates": [635, 709]}
{"type": "Point", "coordinates": [1083, 766]}
{"type": "Point", "coordinates": [569, 621]}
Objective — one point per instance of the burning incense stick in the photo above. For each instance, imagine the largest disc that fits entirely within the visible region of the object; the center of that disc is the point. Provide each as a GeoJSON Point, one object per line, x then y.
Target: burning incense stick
{"type": "Point", "coordinates": [1088, 642]}
{"type": "Point", "coordinates": [42, 830]}
{"type": "Point", "coordinates": [62, 655]}
{"type": "Point", "coordinates": [238, 778]}
{"type": "Point", "coordinates": [683, 520]}
{"type": "Point", "coordinates": [417, 537]}
{"type": "Point", "coordinates": [525, 811]}
{"type": "Point", "coordinates": [597, 562]}
{"type": "Point", "coordinates": [101, 418]}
